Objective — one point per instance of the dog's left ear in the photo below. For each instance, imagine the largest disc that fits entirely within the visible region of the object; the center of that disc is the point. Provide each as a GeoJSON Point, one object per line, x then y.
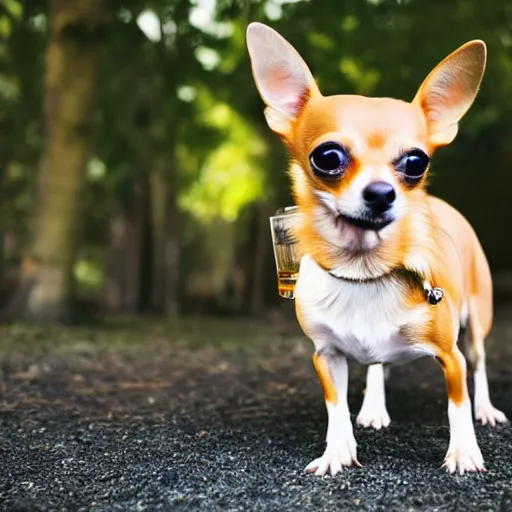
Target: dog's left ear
{"type": "Point", "coordinates": [450, 89]}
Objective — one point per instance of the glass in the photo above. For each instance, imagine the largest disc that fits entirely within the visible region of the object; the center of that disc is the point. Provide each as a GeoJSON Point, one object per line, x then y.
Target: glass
{"type": "Point", "coordinates": [285, 250]}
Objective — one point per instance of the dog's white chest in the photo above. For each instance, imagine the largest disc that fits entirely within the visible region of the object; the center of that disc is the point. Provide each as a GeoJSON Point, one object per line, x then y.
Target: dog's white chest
{"type": "Point", "coordinates": [362, 320]}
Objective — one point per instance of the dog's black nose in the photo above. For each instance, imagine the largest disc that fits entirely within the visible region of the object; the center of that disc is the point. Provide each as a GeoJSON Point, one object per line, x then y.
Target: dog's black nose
{"type": "Point", "coordinates": [379, 196]}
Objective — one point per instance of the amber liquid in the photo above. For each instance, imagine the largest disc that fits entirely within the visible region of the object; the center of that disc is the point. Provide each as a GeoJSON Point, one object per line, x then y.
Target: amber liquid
{"type": "Point", "coordinates": [285, 252]}
{"type": "Point", "coordinates": [288, 270]}
{"type": "Point", "coordinates": [286, 283]}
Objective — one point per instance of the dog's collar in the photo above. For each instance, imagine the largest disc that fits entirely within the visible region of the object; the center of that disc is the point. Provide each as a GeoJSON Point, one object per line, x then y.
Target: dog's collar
{"type": "Point", "coordinates": [359, 279]}
{"type": "Point", "coordinates": [398, 272]}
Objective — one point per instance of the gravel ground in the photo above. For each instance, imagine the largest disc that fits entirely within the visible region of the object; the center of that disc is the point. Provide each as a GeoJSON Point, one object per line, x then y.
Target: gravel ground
{"type": "Point", "coordinates": [211, 415]}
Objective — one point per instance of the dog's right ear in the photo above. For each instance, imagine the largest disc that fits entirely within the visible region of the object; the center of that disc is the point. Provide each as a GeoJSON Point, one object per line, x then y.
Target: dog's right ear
{"type": "Point", "coordinates": [283, 79]}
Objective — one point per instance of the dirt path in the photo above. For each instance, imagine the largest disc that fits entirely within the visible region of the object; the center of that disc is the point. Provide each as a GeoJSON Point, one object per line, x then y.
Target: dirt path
{"type": "Point", "coordinates": [210, 415]}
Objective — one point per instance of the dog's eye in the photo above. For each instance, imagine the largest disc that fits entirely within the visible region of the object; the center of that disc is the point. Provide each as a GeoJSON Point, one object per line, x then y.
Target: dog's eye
{"type": "Point", "coordinates": [413, 164]}
{"type": "Point", "coordinates": [329, 160]}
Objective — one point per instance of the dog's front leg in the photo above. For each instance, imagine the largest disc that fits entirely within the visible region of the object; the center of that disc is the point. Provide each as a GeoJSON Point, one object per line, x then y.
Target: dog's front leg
{"type": "Point", "coordinates": [332, 370]}
{"type": "Point", "coordinates": [463, 451]}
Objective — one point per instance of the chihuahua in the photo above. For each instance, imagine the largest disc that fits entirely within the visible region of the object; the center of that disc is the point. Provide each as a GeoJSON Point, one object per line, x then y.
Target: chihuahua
{"type": "Point", "coordinates": [374, 243]}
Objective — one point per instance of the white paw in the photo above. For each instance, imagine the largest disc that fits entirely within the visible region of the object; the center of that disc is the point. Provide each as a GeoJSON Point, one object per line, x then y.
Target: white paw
{"type": "Point", "coordinates": [464, 458]}
{"type": "Point", "coordinates": [334, 459]}
{"type": "Point", "coordinates": [376, 417]}
{"type": "Point", "coordinates": [487, 414]}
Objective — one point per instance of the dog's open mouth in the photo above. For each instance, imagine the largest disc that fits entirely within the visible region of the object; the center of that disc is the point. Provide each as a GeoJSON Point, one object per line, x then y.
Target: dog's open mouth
{"type": "Point", "coordinates": [369, 223]}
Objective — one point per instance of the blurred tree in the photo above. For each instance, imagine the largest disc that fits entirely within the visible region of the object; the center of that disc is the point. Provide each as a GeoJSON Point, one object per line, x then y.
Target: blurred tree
{"type": "Point", "coordinates": [152, 41]}
{"type": "Point", "coordinates": [46, 285]}
{"type": "Point", "coordinates": [20, 79]}
{"type": "Point", "coordinates": [184, 171]}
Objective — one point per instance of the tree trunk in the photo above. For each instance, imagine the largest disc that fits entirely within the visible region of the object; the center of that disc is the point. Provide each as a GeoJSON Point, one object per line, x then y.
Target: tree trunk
{"type": "Point", "coordinates": [158, 185]}
{"type": "Point", "coordinates": [263, 257]}
{"type": "Point", "coordinates": [3, 172]}
{"type": "Point", "coordinates": [165, 220]}
{"type": "Point", "coordinates": [210, 280]}
{"type": "Point", "coordinates": [124, 258]}
{"type": "Point", "coordinates": [2, 267]}
{"type": "Point", "coordinates": [172, 252]}
{"type": "Point", "coordinates": [46, 288]}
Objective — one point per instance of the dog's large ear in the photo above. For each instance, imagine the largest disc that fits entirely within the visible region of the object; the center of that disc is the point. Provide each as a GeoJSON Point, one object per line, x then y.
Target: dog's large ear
{"type": "Point", "coordinates": [450, 89]}
{"type": "Point", "coordinates": [283, 79]}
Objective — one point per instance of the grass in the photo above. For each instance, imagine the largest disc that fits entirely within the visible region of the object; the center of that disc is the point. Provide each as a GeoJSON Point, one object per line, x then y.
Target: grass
{"type": "Point", "coordinates": [130, 332]}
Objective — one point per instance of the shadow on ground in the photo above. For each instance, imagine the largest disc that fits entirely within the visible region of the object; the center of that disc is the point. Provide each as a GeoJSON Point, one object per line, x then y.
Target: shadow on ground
{"type": "Point", "coordinates": [222, 416]}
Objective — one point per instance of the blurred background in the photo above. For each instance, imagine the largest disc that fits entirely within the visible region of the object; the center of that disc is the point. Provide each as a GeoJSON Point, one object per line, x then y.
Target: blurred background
{"type": "Point", "coordinates": [137, 173]}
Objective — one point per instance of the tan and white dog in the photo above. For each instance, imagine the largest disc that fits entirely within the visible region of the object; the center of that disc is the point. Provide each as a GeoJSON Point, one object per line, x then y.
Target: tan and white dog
{"type": "Point", "coordinates": [373, 241]}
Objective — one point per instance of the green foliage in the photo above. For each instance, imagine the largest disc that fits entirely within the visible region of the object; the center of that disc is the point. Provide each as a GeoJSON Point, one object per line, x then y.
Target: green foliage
{"type": "Point", "coordinates": [233, 173]}
{"type": "Point", "coordinates": [176, 91]}
{"type": "Point", "coordinates": [89, 275]}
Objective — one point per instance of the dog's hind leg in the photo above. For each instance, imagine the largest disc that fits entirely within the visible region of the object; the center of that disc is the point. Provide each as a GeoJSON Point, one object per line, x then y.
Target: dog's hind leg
{"type": "Point", "coordinates": [485, 412]}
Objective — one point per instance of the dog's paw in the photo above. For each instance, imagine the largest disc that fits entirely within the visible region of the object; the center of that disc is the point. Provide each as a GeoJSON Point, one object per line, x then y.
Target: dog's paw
{"type": "Point", "coordinates": [463, 459]}
{"type": "Point", "coordinates": [487, 414]}
{"type": "Point", "coordinates": [434, 295]}
{"type": "Point", "coordinates": [373, 416]}
{"type": "Point", "coordinates": [333, 459]}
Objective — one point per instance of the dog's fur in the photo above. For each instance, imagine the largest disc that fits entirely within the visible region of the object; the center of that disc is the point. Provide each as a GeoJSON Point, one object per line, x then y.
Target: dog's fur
{"type": "Point", "coordinates": [358, 293]}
